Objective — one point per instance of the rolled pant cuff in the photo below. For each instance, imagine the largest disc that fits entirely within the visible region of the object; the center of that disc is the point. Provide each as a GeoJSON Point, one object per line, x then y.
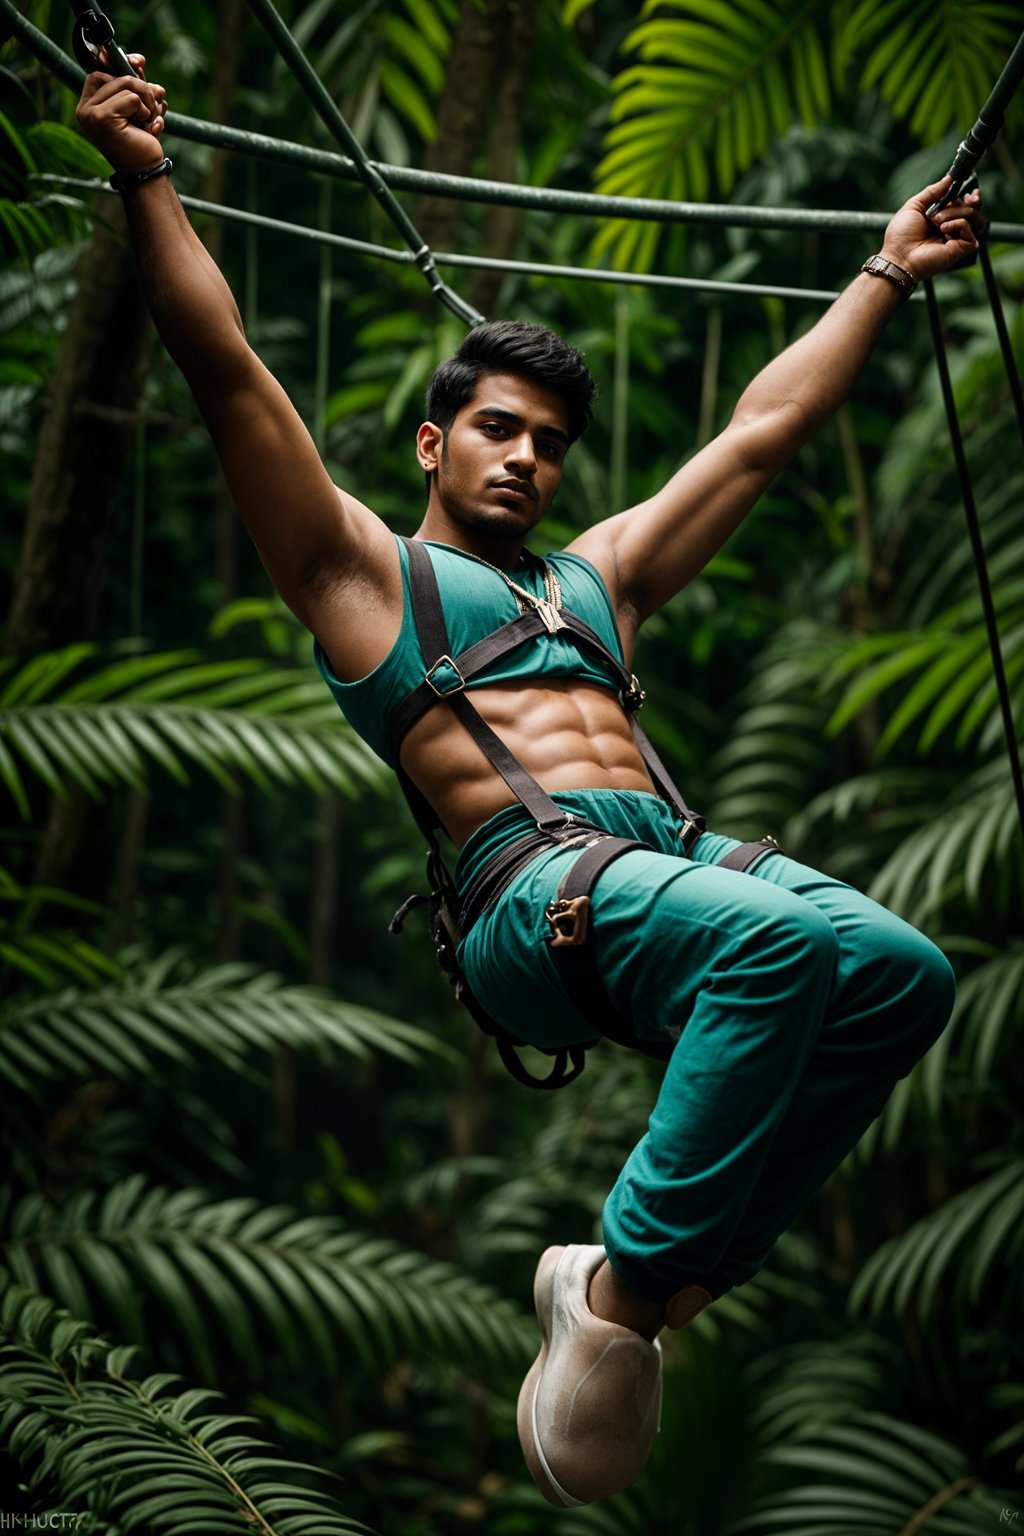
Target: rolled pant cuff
{"type": "Point", "coordinates": [682, 1298]}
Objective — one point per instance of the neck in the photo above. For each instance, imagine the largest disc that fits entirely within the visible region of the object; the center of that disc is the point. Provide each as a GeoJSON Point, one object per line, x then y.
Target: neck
{"type": "Point", "coordinates": [504, 552]}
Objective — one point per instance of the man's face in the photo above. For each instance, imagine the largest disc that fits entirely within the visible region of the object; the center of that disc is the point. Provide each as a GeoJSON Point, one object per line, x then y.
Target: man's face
{"type": "Point", "coordinates": [501, 463]}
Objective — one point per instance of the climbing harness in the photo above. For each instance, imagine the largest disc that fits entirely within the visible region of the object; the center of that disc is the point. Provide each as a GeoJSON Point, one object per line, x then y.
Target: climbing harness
{"type": "Point", "coordinates": [568, 914]}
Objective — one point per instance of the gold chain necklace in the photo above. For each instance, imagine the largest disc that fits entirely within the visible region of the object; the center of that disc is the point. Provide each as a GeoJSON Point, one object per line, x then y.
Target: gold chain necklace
{"type": "Point", "coordinates": [548, 607]}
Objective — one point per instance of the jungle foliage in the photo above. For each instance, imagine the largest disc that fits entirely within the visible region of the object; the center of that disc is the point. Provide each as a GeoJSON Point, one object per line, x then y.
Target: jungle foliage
{"type": "Point", "coordinates": [273, 1205]}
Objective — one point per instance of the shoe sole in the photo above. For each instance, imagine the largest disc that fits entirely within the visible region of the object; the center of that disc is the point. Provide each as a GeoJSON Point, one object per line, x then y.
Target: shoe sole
{"type": "Point", "coordinates": [543, 1293]}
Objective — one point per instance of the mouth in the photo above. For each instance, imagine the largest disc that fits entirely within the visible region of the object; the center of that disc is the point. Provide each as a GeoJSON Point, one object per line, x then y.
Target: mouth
{"type": "Point", "coordinates": [515, 490]}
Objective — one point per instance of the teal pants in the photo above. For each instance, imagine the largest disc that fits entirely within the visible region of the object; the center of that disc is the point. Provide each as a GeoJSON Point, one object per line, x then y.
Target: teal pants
{"type": "Point", "coordinates": [795, 1004]}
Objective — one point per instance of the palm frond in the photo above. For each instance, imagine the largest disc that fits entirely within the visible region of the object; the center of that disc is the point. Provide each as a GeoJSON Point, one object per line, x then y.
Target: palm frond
{"type": "Point", "coordinates": [713, 85]}
{"type": "Point", "coordinates": [815, 1380]}
{"type": "Point", "coordinates": [934, 65]}
{"type": "Point", "coordinates": [961, 847]}
{"type": "Point", "coordinates": [949, 668]}
{"type": "Point", "coordinates": [273, 725]}
{"type": "Point", "coordinates": [220, 1266]}
{"type": "Point", "coordinates": [46, 958]}
{"type": "Point", "coordinates": [138, 1454]}
{"type": "Point", "coordinates": [873, 1475]}
{"type": "Point", "coordinates": [954, 1251]}
{"type": "Point", "coordinates": [158, 1015]}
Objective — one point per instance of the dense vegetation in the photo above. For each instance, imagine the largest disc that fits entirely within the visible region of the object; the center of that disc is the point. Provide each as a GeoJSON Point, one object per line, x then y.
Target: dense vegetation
{"type": "Point", "coordinates": [261, 1165]}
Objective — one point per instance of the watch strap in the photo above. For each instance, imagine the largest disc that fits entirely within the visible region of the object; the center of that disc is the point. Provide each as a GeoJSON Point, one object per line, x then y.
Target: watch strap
{"type": "Point", "coordinates": [123, 181]}
{"type": "Point", "coordinates": [879, 266]}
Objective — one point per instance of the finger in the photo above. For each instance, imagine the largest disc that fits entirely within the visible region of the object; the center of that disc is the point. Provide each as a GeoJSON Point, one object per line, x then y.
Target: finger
{"type": "Point", "coordinates": [93, 82]}
{"type": "Point", "coordinates": [138, 63]}
{"type": "Point", "coordinates": [959, 231]}
{"type": "Point", "coordinates": [131, 106]}
{"type": "Point", "coordinates": [929, 194]}
{"type": "Point", "coordinates": [111, 89]}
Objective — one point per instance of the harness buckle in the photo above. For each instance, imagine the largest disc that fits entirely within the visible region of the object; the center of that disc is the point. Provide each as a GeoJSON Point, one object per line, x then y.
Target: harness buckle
{"type": "Point", "coordinates": [442, 693]}
{"type": "Point", "coordinates": [570, 921]}
{"type": "Point", "coordinates": [633, 696]}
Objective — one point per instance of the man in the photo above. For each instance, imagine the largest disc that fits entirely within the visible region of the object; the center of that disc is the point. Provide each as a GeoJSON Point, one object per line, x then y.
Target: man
{"type": "Point", "coordinates": [793, 1002]}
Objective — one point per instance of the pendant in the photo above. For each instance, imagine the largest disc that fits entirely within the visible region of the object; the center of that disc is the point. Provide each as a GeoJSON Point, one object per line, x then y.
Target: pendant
{"type": "Point", "coordinates": [551, 618]}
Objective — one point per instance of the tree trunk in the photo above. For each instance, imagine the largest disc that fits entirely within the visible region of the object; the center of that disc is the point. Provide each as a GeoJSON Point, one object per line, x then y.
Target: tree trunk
{"type": "Point", "coordinates": [488, 70]}
{"type": "Point", "coordinates": [84, 441]}
{"type": "Point", "coordinates": [501, 225]}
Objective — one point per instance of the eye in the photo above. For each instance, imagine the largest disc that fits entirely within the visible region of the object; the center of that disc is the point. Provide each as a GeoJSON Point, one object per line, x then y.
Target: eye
{"type": "Point", "coordinates": [495, 428]}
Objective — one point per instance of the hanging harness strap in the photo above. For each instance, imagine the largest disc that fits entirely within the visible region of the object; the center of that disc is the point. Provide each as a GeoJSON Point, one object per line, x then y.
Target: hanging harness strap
{"type": "Point", "coordinates": [574, 949]}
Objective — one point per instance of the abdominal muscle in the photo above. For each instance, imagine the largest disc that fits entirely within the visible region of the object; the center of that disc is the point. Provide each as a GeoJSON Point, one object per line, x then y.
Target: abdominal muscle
{"type": "Point", "coordinates": [567, 734]}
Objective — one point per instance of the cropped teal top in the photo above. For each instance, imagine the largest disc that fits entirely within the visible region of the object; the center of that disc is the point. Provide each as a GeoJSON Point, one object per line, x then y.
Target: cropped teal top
{"type": "Point", "coordinates": [476, 601]}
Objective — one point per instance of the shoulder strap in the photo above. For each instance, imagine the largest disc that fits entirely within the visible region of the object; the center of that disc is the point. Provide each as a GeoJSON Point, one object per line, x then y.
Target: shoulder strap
{"type": "Point", "coordinates": [434, 643]}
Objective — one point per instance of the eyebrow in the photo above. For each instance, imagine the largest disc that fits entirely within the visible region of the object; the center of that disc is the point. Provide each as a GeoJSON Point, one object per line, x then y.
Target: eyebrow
{"type": "Point", "coordinates": [517, 420]}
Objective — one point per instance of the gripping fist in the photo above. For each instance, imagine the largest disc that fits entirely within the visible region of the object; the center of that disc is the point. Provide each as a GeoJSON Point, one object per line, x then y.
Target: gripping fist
{"type": "Point", "coordinates": [124, 118]}
{"type": "Point", "coordinates": [926, 247]}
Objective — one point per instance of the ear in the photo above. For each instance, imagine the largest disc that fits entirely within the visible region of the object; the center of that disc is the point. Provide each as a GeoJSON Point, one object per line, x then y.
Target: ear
{"type": "Point", "coordinates": [428, 446]}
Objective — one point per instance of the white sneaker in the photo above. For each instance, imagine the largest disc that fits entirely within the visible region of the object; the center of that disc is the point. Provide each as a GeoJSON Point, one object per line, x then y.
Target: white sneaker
{"type": "Point", "coordinates": [590, 1406]}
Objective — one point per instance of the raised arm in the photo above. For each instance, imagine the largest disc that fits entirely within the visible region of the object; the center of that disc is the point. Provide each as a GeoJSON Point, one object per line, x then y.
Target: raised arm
{"type": "Point", "coordinates": [650, 552]}
{"type": "Point", "coordinates": [311, 536]}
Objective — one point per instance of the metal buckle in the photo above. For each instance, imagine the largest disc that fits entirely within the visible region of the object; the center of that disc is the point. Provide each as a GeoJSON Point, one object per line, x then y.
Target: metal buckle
{"type": "Point", "coordinates": [443, 693]}
{"type": "Point", "coordinates": [633, 697]}
{"type": "Point", "coordinates": [569, 919]}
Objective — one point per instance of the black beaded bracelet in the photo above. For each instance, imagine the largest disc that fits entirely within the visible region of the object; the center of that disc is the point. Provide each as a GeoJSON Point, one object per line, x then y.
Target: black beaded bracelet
{"type": "Point", "coordinates": [123, 181]}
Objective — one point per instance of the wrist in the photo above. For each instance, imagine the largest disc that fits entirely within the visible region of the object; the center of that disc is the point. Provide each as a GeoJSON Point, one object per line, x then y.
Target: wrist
{"type": "Point", "coordinates": [128, 181]}
{"type": "Point", "coordinates": [893, 269]}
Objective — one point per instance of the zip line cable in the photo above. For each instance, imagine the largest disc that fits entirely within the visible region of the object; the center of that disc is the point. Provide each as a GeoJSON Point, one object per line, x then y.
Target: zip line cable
{"type": "Point", "coordinates": [376, 177]}
{"type": "Point", "coordinates": [453, 259]}
{"type": "Point", "coordinates": [978, 139]}
{"type": "Point", "coordinates": [476, 190]}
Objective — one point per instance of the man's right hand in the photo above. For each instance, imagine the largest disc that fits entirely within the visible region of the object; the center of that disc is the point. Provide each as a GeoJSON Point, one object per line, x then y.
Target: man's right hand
{"type": "Point", "coordinates": [124, 118]}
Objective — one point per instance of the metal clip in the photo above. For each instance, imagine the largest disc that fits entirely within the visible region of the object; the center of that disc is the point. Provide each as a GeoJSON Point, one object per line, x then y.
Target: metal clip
{"type": "Point", "coordinates": [633, 697]}
{"type": "Point", "coordinates": [551, 618]}
{"type": "Point", "coordinates": [569, 919]}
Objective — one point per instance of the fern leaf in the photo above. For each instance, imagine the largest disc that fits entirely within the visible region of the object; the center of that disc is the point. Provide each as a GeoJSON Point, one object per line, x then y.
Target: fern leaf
{"type": "Point", "coordinates": [83, 1429]}
{"type": "Point", "coordinates": [312, 1282]}
{"type": "Point", "coordinates": [141, 1023]}
{"type": "Point", "coordinates": [238, 716]}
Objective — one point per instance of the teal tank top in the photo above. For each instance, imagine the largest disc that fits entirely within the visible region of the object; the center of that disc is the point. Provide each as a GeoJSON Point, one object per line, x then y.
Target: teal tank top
{"type": "Point", "coordinates": [476, 601]}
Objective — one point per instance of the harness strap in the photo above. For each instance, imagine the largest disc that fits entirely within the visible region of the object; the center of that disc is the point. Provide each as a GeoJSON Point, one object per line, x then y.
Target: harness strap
{"type": "Point", "coordinates": [575, 952]}
{"type": "Point", "coordinates": [747, 854]}
{"type": "Point", "coordinates": [447, 676]}
{"type": "Point", "coordinates": [433, 637]}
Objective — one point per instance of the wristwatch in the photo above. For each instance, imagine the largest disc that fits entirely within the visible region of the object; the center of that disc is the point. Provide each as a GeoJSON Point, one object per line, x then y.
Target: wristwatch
{"type": "Point", "coordinates": [878, 266]}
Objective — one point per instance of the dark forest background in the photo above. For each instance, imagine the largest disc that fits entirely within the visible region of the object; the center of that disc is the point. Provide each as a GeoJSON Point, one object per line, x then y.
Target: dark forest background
{"type": "Point", "coordinates": [260, 1164]}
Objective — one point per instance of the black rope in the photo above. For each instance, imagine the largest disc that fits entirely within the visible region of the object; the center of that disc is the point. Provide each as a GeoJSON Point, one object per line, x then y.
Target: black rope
{"type": "Point", "coordinates": [980, 566]}
{"type": "Point", "coordinates": [1005, 345]}
{"type": "Point", "coordinates": [327, 110]}
{"type": "Point", "coordinates": [986, 128]}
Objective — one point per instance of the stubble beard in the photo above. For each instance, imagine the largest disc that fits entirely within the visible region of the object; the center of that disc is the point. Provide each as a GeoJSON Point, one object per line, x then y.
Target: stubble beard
{"type": "Point", "coordinates": [500, 523]}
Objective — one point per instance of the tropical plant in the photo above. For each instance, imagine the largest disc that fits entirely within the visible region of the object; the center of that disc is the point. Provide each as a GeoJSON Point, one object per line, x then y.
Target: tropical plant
{"type": "Point", "coordinates": [141, 1457]}
{"type": "Point", "coordinates": [714, 86]}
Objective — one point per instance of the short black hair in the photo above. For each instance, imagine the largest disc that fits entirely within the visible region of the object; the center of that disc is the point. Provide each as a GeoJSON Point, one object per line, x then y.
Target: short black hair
{"type": "Point", "coordinates": [512, 346]}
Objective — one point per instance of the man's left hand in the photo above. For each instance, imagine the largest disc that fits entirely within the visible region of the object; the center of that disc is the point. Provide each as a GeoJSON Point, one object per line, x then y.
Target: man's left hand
{"type": "Point", "coordinates": [925, 247]}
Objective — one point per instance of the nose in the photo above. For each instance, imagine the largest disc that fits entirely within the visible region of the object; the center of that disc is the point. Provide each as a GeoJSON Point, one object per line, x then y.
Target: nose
{"type": "Point", "coordinates": [520, 454]}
